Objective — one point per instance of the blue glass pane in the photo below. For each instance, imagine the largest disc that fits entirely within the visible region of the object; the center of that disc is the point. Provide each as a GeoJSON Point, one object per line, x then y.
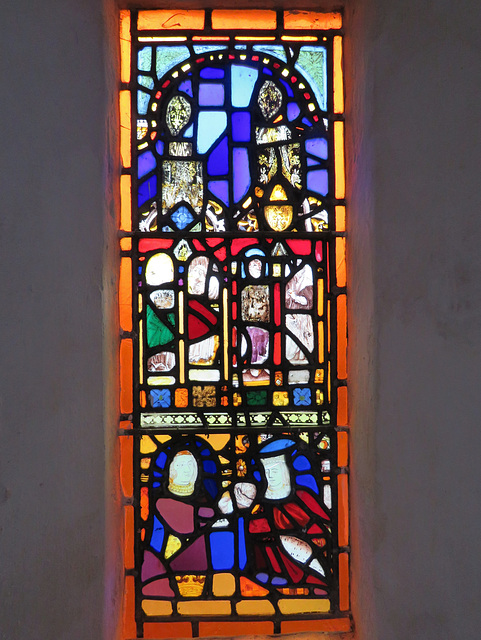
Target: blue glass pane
{"type": "Point", "coordinates": [307, 481]}
{"type": "Point", "coordinates": [306, 121]}
{"type": "Point", "coordinates": [160, 398]}
{"type": "Point", "coordinates": [311, 162]}
{"type": "Point", "coordinates": [168, 57]}
{"type": "Point", "coordinates": [211, 486]}
{"type": "Point", "coordinates": [161, 460]}
{"type": "Point", "coordinates": [267, 71]}
{"type": "Point", "coordinates": [211, 72]}
{"type": "Point", "coordinates": [186, 87]}
{"type": "Point", "coordinates": [262, 577]}
{"type": "Point", "coordinates": [288, 87]}
{"type": "Point", "coordinates": [311, 62]}
{"type": "Point", "coordinates": [218, 162]}
{"type": "Point", "coordinates": [292, 110]}
{"type": "Point", "coordinates": [144, 58]}
{"type": "Point", "coordinates": [317, 181]}
{"type": "Point", "coordinates": [241, 126]}
{"type": "Point", "coordinates": [242, 178]}
{"type": "Point", "coordinates": [147, 190]}
{"type": "Point", "coordinates": [243, 81]}
{"type": "Point", "coordinates": [301, 463]}
{"type": "Point", "coordinates": [273, 49]}
{"type": "Point", "coordinates": [211, 95]}
{"type": "Point", "coordinates": [182, 217]}
{"type": "Point", "coordinates": [279, 581]}
{"type": "Point", "coordinates": [220, 188]}
{"type": "Point", "coordinates": [146, 81]}
{"type": "Point", "coordinates": [242, 545]}
{"type": "Point", "coordinates": [211, 125]}
{"type": "Point", "coordinates": [142, 102]}
{"type": "Point", "coordinates": [209, 466]}
{"type": "Point", "coordinates": [159, 147]}
{"type": "Point", "coordinates": [222, 550]}
{"type": "Point", "coordinates": [277, 445]}
{"type": "Point", "coordinates": [146, 163]}
{"type": "Point", "coordinates": [157, 535]}
{"type": "Point", "coordinates": [257, 476]}
{"type": "Point", "coordinates": [318, 147]}
{"type": "Point", "coordinates": [189, 132]}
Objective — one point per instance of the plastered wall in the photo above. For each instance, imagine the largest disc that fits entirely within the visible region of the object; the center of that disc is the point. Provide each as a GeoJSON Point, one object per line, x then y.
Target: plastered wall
{"type": "Point", "coordinates": [413, 114]}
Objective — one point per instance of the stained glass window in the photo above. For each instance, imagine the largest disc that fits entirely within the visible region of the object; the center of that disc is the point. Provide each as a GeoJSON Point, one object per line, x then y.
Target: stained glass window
{"type": "Point", "coordinates": [232, 297]}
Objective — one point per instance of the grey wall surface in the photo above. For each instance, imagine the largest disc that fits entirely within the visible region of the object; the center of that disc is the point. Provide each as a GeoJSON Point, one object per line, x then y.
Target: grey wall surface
{"type": "Point", "coordinates": [413, 74]}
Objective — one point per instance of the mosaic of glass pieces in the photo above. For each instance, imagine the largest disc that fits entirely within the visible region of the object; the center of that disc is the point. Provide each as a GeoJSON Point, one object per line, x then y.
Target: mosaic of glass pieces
{"type": "Point", "coordinates": [245, 519]}
{"type": "Point", "coordinates": [233, 323]}
{"type": "Point", "coordinates": [232, 141]}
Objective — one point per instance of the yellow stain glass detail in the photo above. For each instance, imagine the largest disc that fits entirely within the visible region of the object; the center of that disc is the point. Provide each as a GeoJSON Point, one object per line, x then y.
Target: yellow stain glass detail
{"type": "Point", "coordinates": [278, 193]}
{"type": "Point", "coordinates": [223, 584]}
{"type": "Point", "coordinates": [146, 445]}
{"type": "Point", "coordinates": [190, 586]}
{"type": "Point", "coordinates": [278, 217]}
{"type": "Point", "coordinates": [173, 545]}
{"type": "Point", "coordinates": [280, 398]}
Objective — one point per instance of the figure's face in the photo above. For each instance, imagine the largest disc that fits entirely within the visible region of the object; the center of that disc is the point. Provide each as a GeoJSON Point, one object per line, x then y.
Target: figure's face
{"type": "Point", "coordinates": [255, 268]}
{"type": "Point", "coordinates": [277, 476]}
{"type": "Point", "coordinates": [183, 470]}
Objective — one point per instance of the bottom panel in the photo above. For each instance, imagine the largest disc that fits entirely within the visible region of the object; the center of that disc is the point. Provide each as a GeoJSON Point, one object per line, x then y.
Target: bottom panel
{"type": "Point", "coordinates": [236, 527]}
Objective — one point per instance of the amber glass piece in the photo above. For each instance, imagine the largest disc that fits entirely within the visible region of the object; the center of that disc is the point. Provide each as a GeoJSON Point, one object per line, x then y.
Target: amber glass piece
{"type": "Point", "coordinates": [204, 608]}
{"type": "Point", "coordinates": [343, 581]}
{"type": "Point", "coordinates": [254, 38]}
{"type": "Point", "coordinates": [320, 328]}
{"type": "Point", "coordinates": [342, 337]}
{"type": "Point", "coordinates": [342, 406]}
{"type": "Point", "coordinates": [233, 629]}
{"type": "Point", "coordinates": [143, 399]}
{"type": "Point", "coordinates": [340, 180]}
{"type": "Point", "coordinates": [298, 605]}
{"type": "Point", "coordinates": [341, 262]}
{"type": "Point", "coordinates": [312, 20]}
{"type": "Point", "coordinates": [251, 589]}
{"type": "Point", "coordinates": [338, 97]}
{"type": "Point", "coordinates": [340, 218]}
{"type": "Point", "coordinates": [157, 607]}
{"type": "Point", "coordinates": [126, 465]}
{"type": "Point", "coordinates": [167, 630]}
{"type": "Point", "coordinates": [125, 244]}
{"type": "Point", "coordinates": [226, 334]}
{"type": "Point", "coordinates": [125, 294]}
{"type": "Point", "coordinates": [342, 448]}
{"type": "Point", "coordinates": [147, 445]}
{"type": "Point", "coordinates": [343, 524]}
{"type": "Point", "coordinates": [255, 608]}
{"type": "Point", "coordinates": [125, 204]}
{"type": "Point", "coordinates": [252, 18]}
{"type": "Point", "coordinates": [320, 297]}
{"type": "Point", "coordinates": [124, 105]}
{"type": "Point", "coordinates": [299, 38]}
{"type": "Point", "coordinates": [298, 626]}
{"type": "Point", "coordinates": [223, 584]}
{"type": "Point", "coordinates": [129, 537]}
{"type": "Point", "coordinates": [129, 626]}
{"type": "Point", "coordinates": [170, 19]}
{"type": "Point", "coordinates": [125, 46]}
{"type": "Point", "coordinates": [126, 353]}
{"type": "Point", "coordinates": [328, 316]}
{"type": "Point", "coordinates": [207, 38]}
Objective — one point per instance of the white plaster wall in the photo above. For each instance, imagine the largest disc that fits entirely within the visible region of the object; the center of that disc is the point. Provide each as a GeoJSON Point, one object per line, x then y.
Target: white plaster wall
{"type": "Point", "coordinates": [413, 116]}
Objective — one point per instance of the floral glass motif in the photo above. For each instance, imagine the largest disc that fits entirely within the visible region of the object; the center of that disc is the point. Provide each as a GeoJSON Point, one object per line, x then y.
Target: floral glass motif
{"type": "Point", "coordinates": [238, 323]}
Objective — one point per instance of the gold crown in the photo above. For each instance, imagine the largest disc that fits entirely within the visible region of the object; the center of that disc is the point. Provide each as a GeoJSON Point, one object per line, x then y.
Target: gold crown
{"type": "Point", "coordinates": [190, 586]}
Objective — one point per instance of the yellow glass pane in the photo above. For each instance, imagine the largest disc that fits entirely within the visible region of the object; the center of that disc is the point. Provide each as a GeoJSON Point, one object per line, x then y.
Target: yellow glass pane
{"type": "Point", "coordinates": [126, 354]}
{"type": "Point", "coordinates": [320, 297]}
{"type": "Point", "coordinates": [242, 19]}
{"type": "Point", "coordinates": [321, 341]}
{"type": "Point", "coordinates": [129, 626]}
{"type": "Point", "coordinates": [343, 581]}
{"type": "Point", "coordinates": [216, 440]}
{"type": "Point", "coordinates": [125, 204]}
{"type": "Point", "coordinates": [204, 608]}
{"type": "Point", "coordinates": [209, 38]}
{"type": "Point", "coordinates": [124, 105]}
{"type": "Point", "coordinates": [296, 19]}
{"type": "Point", "coordinates": [342, 448]}
{"type": "Point", "coordinates": [338, 97]}
{"type": "Point", "coordinates": [254, 38]}
{"type": "Point", "coordinates": [340, 179]}
{"type": "Point", "coordinates": [126, 465]}
{"type": "Point", "coordinates": [231, 629]}
{"type": "Point", "coordinates": [342, 337]}
{"type": "Point", "coordinates": [167, 630]}
{"type": "Point", "coordinates": [125, 244]}
{"type": "Point", "coordinates": [157, 607]}
{"type": "Point", "coordinates": [340, 218]}
{"type": "Point", "coordinates": [341, 262]}
{"type": "Point", "coordinates": [125, 294]}
{"type": "Point", "coordinates": [223, 584]}
{"type": "Point", "coordinates": [226, 334]}
{"type": "Point", "coordinates": [298, 605]}
{"type": "Point", "coordinates": [170, 19]}
{"type": "Point", "coordinates": [147, 445]}
{"type": "Point", "coordinates": [343, 523]}
{"type": "Point", "coordinates": [342, 406]}
{"type": "Point", "coordinates": [298, 626]}
{"type": "Point", "coordinates": [125, 46]}
{"type": "Point", "coordinates": [299, 38]}
{"type": "Point", "coordinates": [255, 608]}
{"type": "Point", "coordinates": [129, 537]}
